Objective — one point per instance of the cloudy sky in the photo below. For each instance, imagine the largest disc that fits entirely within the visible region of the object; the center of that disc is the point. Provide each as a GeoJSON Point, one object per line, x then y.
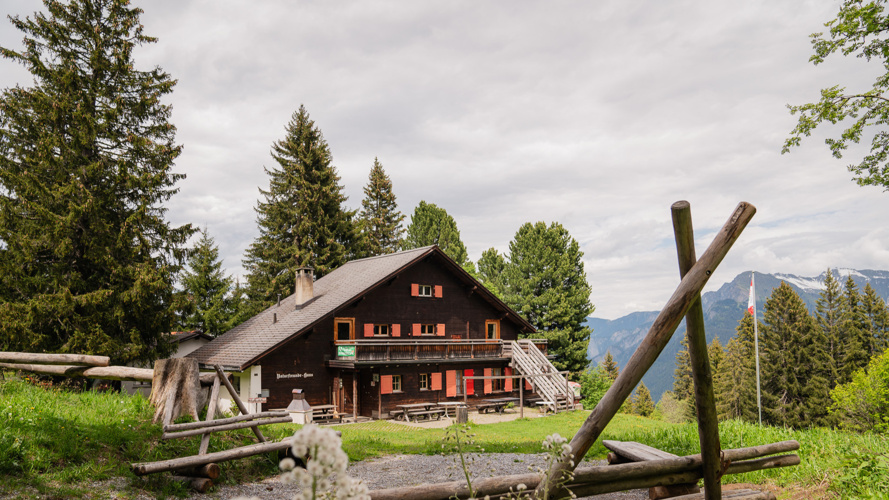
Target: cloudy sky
{"type": "Point", "coordinates": [598, 115]}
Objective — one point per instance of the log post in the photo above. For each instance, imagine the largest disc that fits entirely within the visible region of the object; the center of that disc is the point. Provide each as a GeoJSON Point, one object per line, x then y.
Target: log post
{"type": "Point", "coordinates": [705, 401]}
{"type": "Point", "coordinates": [237, 400]}
{"type": "Point", "coordinates": [210, 471]}
{"type": "Point", "coordinates": [141, 469]}
{"type": "Point", "coordinates": [54, 359]}
{"type": "Point", "coordinates": [652, 345]}
{"type": "Point", "coordinates": [211, 414]}
{"type": "Point", "coordinates": [176, 381]}
{"type": "Point", "coordinates": [199, 484]}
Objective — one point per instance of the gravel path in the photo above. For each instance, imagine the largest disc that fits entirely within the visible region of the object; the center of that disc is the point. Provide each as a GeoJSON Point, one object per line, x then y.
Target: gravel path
{"type": "Point", "coordinates": [410, 470]}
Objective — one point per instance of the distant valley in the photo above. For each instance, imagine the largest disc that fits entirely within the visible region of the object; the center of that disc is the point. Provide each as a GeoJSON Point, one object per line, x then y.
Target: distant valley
{"type": "Point", "coordinates": [722, 311]}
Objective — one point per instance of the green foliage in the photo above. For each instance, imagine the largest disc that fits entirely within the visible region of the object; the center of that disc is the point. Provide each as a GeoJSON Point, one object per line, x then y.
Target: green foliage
{"type": "Point", "coordinates": [491, 266]}
{"type": "Point", "coordinates": [670, 409]}
{"type": "Point", "coordinates": [379, 216]}
{"type": "Point", "coordinates": [683, 383]}
{"type": "Point", "coordinates": [431, 225]}
{"type": "Point", "coordinates": [735, 381]}
{"type": "Point", "coordinates": [545, 282]}
{"type": "Point", "coordinates": [860, 30]}
{"type": "Point", "coordinates": [876, 316]}
{"type": "Point", "coordinates": [206, 288]}
{"type": "Point", "coordinates": [642, 404]}
{"type": "Point", "coordinates": [856, 346]}
{"type": "Point", "coordinates": [794, 364]}
{"type": "Point", "coordinates": [594, 383]}
{"type": "Point", "coordinates": [87, 260]}
{"type": "Point", "coordinates": [864, 475]}
{"type": "Point", "coordinates": [863, 403]}
{"type": "Point", "coordinates": [301, 218]}
{"type": "Point", "coordinates": [829, 311]}
{"type": "Point", "coordinates": [610, 366]}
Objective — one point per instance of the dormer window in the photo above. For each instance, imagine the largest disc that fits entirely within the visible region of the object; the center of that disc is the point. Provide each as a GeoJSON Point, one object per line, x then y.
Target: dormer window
{"type": "Point", "coordinates": [425, 291]}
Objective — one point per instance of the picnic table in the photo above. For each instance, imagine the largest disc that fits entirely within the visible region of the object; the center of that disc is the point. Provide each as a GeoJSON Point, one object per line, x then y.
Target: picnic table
{"type": "Point", "coordinates": [452, 404]}
{"type": "Point", "coordinates": [418, 410]}
{"type": "Point", "coordinates": [325, 413]}
{"type": "Point", "coordinates": [497, 404]}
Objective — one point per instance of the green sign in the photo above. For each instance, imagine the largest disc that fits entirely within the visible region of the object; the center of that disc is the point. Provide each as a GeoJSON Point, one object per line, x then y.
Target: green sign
{"type": "Point", "coordinates": [345, 351]}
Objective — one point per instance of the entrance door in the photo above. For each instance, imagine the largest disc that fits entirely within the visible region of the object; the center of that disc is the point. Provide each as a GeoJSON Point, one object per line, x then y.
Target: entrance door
{"type": "Point", "coordinates": [344, 395]}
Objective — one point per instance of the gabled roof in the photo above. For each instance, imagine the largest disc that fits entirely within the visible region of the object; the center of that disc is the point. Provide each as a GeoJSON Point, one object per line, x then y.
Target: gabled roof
{"type": "Point", "coordinates": [245, 344]}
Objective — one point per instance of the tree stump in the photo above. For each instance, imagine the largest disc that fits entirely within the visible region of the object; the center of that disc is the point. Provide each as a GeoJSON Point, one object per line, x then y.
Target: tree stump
{"type": "Point", "coordinates": [176, 389]}
{"type": "Point", "coordinates": [462, 414]}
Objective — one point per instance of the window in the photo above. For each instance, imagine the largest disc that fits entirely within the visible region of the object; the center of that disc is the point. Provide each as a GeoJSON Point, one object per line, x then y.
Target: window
{"type": "Point", "coordinates": [396, 383]}
{"type": "Point", "coordinates": [344, 328]}
{"type": "Point", "coordinates": [427, 329]}
{"type": "Point", "coordinates": [424, 381]}
{"type": "Point", "coordinates": [497, 384]}
{"type": "Point", "coordinates": [425, 291]}
{"type": "Point", "coordinates": [492, 329]}
{"type": "Point", "coordinates": [459, 382]}
{"type": "Point", "coordinates": [418, 290]}
{"type": "Point", "coordinates": [381, 330]}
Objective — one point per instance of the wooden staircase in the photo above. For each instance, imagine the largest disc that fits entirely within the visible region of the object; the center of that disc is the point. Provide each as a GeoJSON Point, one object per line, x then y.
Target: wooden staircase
{"type": "Point", "coordinates": [545, 379]}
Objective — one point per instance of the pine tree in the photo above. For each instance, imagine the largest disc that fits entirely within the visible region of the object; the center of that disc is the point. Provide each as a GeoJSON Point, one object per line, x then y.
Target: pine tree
{"type": "Point", "coordinates": [683, 383]}
{"type": "Point", "coordinates": [788, 366]}
{"type": "Point", "coordinates": [380, 218]}
{"type": "Point", "coordinates": [877, 320]}
{"type": "Point", "coordinates": [829, 307]}
{"type": "Point", "coordinates": [206, 288]}
{"type": "Point", "coordinates": [642, 402]}
{"type": "Point", "coordinates": [735, 381]}
{"type": "Point", "coordinates": [490, 271]}
{"type": "Point", "coordinates": [716, 354]}
{"type": "Point", "coordinates": [431, 225]}
{"type": "Point", "coordinates": [87, 261]}
{"type": "Point", "coordinates": [610, 366]}
{"type": "Point", "coordinates": [545, 282]}
{"type": "Point", "coordinates": [855, 348]}
{"type": "Point", "coordinates": [301, 218]}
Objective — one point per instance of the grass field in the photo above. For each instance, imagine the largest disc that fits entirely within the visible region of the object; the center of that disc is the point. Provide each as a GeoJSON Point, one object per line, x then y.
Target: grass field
{"type": "Point", "coordinates": [58, 444]}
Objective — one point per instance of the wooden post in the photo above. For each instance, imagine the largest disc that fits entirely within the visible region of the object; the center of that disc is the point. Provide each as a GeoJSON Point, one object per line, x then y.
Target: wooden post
{"type": "Point", "coordinates": [521, 396]}
{"type": "Point", "coordinates": [211, 414]}
{"type": "Point", "coordinates": [54, 359]}
{"type": "Point", "coordinates": [705, 401]}
{"type": "Point", "coordinates": [355, 396]}
{"type": "Point", "coordinates": [237, 399]}
{"type": "Point", "coordinates": [652, 345]}
{"type": "Point", "coordinates": [140, 469]}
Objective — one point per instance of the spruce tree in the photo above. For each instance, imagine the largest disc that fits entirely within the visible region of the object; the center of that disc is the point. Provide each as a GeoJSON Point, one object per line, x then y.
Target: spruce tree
{"type": "Point", "coordinates": [379, 216]}
{"type": "Point", "coordinates": [683, 383]}
{"type": "Point", "coordinates": [490, 271]}
{"type": "Point", "coordinates": [301, 218]}
{"type": "Point", "coordinates": [431, 225]}
{"type": "Point", "coordinates": [877, 320]}
{"type": "Point", "coordinates": [87, 260]}
{"type": "Point", "coordinates": [735, 382]}
{"type": "Point", "coordinates": [208, 305]}
{"type": "Point", "coordinates": [716, 355]}
{"type": "Point", "coordinates": [787, 364]}
{"type": "Point", "coordinates": [545, 282]}
{"type": "Point", "coordinates": [610, 366]}
{"type": "Point", "coordinates": [829, 311]}
{"type": "Point", "coordinates": [855, 348]}
{"type": "Point", "coordinates": [642, 402]}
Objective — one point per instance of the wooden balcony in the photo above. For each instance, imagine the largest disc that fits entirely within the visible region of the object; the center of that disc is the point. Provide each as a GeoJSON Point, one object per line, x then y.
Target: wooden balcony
{"type": "Point", "coordinates": [379, 350]}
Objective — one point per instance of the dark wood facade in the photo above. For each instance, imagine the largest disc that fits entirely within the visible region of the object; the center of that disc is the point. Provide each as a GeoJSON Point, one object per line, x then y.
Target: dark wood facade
{"type": "Point", "coordinates": [427, 319]}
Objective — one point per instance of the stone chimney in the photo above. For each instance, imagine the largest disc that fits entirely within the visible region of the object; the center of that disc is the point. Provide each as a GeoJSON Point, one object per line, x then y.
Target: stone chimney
{"type": "Point", "coordinates": [304, 286]}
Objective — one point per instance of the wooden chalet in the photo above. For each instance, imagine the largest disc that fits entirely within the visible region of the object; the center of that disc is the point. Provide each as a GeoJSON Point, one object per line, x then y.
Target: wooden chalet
{"type": "Point", "coordinates": [378, 332]}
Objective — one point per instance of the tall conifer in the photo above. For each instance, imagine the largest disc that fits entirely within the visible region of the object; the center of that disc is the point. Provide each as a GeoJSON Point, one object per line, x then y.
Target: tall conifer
{"type": "Point", "coordinates": [683, 383]}
{"type": "Point", "coordinates": [208, 305]}
{"type": "Point", "coordinates": [856, 347]}
{"type": "Point", "coordinates": [642, 403]}
{"type": "Point", "coordinates": [87, 260]}
{"type": "Point", "coordinates": [432, 225]}
{"type": "Point", "coordinates": [829, 313]}
{"type": "Point", "coordinates": [735, 381]}
{"type": "Point", "coordinates": [301, 218]}
{"type": "Point", "coordinates": [491, 266]}
{"type": "Point", "coordinates": [380, 218]}
{"type": "Point", "coordinates": [877, 320]}
{"type": "Point", "coordinates": [610, 366]}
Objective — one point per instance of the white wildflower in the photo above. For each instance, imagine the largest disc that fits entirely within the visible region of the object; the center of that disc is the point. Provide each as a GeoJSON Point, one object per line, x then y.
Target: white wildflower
{"type": "Point", "coordinates": [324, 476]}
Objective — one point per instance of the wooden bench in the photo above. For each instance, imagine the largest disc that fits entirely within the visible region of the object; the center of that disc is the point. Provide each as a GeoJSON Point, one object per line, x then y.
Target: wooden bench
{"type": "Point", "coordinates": [327, 417]}
{"type": "Point", "coordinates": [427, 413]}
{"type": "Point", "coordinates": [486, 407]}
{"type": "Point", "coordinates": [394, 414]}
{"type": "Point", "coordinates": [631, 451]}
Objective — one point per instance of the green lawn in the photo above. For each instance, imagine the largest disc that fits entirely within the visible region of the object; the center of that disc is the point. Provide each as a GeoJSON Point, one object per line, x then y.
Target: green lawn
{"type": "Point", "coordinates": [55, 443]}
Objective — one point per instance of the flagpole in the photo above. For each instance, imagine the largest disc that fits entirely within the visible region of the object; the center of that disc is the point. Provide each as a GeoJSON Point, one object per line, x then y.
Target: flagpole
{"type": "Point", "coordinates": [756, 347]}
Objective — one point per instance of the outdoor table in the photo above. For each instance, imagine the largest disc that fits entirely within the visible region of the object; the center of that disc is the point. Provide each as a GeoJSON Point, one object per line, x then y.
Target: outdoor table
{"type": "Point", "coordinates": [497, 404]}
{"type": "Point", "coordinates": [451, 404]}
{"type": "Point", "coordinates": [324, 412]}
{"type": "Point", "coordinates": [419, 409]}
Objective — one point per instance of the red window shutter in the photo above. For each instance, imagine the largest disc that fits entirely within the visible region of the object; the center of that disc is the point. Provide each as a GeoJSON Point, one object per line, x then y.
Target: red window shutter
{"type": "Point", "coordinates": [415, 329]}
{"type": "Point", "coordinates": [435, 384]}
{"type": "Point", "coordinates": [488, 382]}
{"type": "Point", "coordinates": [415, 289]}
{"type": "Point", "coordinates": [368, 329]}
{"type": "Point", "coordinates": [528, 385]}
{"type": "Point", "coordinates": [451, 380]}
{"type": "Point", "coordinates": [396, 330]}
{"type": "Point", "coordinates": [385, 384]}
{"type": "Point", "coordinates": [470, 384]}
{"type": "Point", "coordinates": [440, 330]}
{"type": "Point", "coordinates": [507, 382]}
{"type": "Point", "coordinates": [438, 291]}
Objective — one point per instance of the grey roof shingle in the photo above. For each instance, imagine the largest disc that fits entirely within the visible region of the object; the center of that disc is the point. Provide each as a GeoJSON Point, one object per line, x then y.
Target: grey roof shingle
{"type": "Point", "coordinates": [241, 345]}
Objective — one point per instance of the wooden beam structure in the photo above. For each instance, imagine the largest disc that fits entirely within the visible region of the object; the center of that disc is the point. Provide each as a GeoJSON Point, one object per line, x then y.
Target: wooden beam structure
{"type": "Point", "coordinates": [54, 359]}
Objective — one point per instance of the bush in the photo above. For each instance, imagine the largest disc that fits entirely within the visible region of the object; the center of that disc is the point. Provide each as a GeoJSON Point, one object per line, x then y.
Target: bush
{"type": "Point", "coordinates": [594, 383]}
{"type": "Point", "coordinates": [863, 404]}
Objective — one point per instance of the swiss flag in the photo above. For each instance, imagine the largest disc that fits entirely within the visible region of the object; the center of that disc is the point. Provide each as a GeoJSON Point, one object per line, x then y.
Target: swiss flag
{"type": "Point", "coordinates": [751, 301]}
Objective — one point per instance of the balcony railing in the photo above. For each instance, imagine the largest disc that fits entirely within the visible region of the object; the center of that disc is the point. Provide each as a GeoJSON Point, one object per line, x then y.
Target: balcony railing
{"type": "Point", "coordinates": [421, 350]}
